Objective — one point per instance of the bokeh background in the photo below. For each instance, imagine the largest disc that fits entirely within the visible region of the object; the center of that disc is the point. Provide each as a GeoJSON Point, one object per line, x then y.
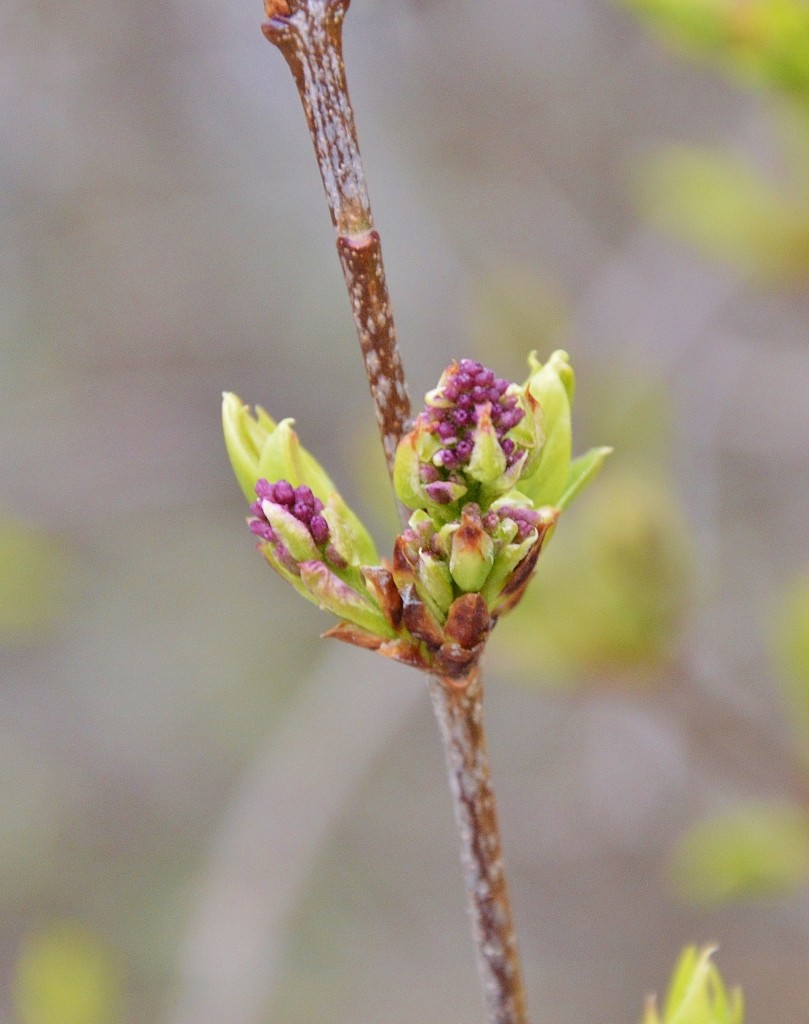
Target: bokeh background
{"type": "Point", "coordinates": [206, 815]}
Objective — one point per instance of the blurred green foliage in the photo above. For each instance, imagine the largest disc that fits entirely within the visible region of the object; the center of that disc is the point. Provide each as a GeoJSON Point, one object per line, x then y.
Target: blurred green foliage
{"type": "Point", "coordinates": [759, 849]}
{"type": "Point", "coordinates": [697, 994]}
{"type": "Point", "coordinates": [612, 588]}
{"type": "Point", "coordinates": [35, 578]}
{"type": "Point", "coordinates": [716, 200]}
{"type": "Point", "coordinates": [761, 42]}
{"type": "Point", "coordinates": [791, 651]}
{"type": "Point", "coordinates": [729, 210]}
{"type": "Point", "coordinates": [66, 975]}
{"type": "Point", "coordinates": [514, 312]}
{"type": "Point", "coordinates": [610, 592]}
{"type": "Point", "coordinates": [754, 850]}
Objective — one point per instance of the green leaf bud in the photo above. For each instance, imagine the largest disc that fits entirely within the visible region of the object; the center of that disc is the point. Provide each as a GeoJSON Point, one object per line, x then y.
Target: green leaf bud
{"type": "Point", "coordinates": [435, 577]}
{"type": "Point", "coordinates": [245, 436]}
{"type": "Point", "coordinates": [552, 385]}
{"type": "Point", "coordinates": [472, 553]}
{"type": "Point", "coordinates": [283, 457]}
{"type": "Point", "coordinates": [259, 448]}
{"type": "Point", "coordinates": [406, 480]}
{"type": "Point", "coordinates": [487, 463]}
{"type": "Point", "coordinates": [697, 994]}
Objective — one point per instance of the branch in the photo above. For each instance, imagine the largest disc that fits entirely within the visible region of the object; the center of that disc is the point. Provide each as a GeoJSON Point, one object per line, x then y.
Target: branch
{"type": "Point", "coordinates": [309, 35]}
{"type": "Point", "coordinates": [459, 712]}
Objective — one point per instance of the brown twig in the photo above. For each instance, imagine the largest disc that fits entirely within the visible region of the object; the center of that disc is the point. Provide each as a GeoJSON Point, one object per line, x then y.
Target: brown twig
{"type": "Point", "coordinates": [309, 35]}
{"type": "Point", "coordinates": [459, 711]}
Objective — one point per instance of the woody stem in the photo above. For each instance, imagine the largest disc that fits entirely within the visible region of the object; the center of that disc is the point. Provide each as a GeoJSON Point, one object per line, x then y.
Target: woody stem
{"type": "Point", "coordinates": [459, 711]}
{"type": "Point", "coordinates": [309, 35]}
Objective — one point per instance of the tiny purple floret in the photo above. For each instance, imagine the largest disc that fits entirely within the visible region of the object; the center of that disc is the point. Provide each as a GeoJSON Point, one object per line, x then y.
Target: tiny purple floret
{"type": "Point", "coordinates": [319, 529]}
{"type": "Point", "coordinates": [440, 492]}
{"type": "Point", "coordinates": [300, 501]}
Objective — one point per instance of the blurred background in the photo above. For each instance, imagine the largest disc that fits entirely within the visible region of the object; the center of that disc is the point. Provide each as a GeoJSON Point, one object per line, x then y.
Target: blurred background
{"type": "Point", "coordinates": [208, 816]}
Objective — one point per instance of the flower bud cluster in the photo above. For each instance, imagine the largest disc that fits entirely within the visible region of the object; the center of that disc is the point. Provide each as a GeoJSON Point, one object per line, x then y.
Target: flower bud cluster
{"type": "Point", "coordinates": [486, 470]}
{"type": "Point", "coordinates": [305, 530]}
{"type": "Point", "coordinates": [279, 502]}
{"type": "Point", "coordinates": [477, 435]}
{"type": "Point", "coordinates": [455, 408]}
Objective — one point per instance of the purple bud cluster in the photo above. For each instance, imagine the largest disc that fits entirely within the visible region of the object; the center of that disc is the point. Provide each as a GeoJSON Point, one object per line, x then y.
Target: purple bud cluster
{"type": "Point", "coordinates": [525, 518]}
{"type": "Point", "coordinates": [422, 536]}
{"type": "Point", "coordinates": [300, 501]}
{"type": "Point", "coordinates": [469, 387]}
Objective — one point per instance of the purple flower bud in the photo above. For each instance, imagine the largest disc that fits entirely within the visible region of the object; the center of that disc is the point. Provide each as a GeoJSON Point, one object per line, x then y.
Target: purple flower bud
{"type": "Point", "coordinates": [524, 518]}
{"type": "Point", "coordinates": [440, 492]}
{"type": "Point", "coordinates": [468, 415]}
{"type": "Point", "coordinates": [319, 529]}
{"type": "Point", "coordinates": [300, 502]}
{"type": "Point", "coordinates": [284, 493]}
{"type": "Point", "coordinates": [264, 489]}
{"type": "Point", "coordinates": [467, 389]}
{"type": "Point", "coordinates": [464, 448]}
{"type": "Point", "coordinates": [302, 510]}
{"type": "Point", "coordinates": [262, 529]}
{"type": "Point", "coordinates": [445, 430]}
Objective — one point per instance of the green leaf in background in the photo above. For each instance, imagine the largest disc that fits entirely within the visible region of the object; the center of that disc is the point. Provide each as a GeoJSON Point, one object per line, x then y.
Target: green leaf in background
{"type": "Point", "coordinates": [759, 42]}
{"type": "Point", "coordinates": [514, 311]}
{"type": "Point", "coordinates": [754, 850]}
{"type": "Point", "coordinates": [34, 582]}
{"type": "Point", "coordinates": [791, 648]}
{"type": "Point", "coordinates": [611, 592]}
{"type": "Point", "coordinates": [65, 975]}
{"type": "Point", "coordinates": [697, 994]}
{"type": "Point", "coordinates": [582, 471]}
{"type": "Point", "coordinates": [728, 210]}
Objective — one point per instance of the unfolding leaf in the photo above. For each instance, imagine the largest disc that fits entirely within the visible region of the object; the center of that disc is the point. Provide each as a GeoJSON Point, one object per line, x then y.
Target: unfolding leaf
{"type": "Point", "coordinates": [728, 211]}
{"type": "Point", "coordinates": [754, 850]}
{"type": "Point", "coordinates": [697, 994]}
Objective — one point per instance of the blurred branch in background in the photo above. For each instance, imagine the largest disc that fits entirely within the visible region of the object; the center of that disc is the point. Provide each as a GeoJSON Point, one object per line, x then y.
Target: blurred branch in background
{"type": "Point", "coordinates": [274, 832]}
{"type": "Point", "coordinates": [761, 849]}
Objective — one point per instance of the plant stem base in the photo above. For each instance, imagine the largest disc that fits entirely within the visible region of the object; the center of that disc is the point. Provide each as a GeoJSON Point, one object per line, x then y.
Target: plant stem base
{"type": "Point", "coordinates": [460, 718]}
